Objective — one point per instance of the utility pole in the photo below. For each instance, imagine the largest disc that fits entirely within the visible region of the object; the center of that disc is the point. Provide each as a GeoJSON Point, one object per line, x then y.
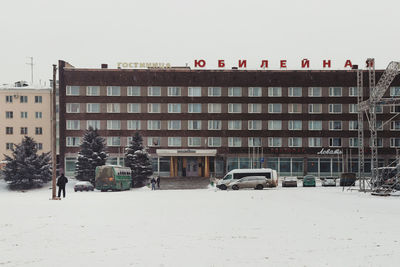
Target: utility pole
{"type": "Point", "coordinates": [54, 134]}
{"type": "Point", "coordinates": [31, 64]}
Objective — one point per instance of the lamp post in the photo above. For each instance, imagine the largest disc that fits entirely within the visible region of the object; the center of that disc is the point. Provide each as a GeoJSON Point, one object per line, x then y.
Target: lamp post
{"type": "Point", "coordinates": [54, 135]}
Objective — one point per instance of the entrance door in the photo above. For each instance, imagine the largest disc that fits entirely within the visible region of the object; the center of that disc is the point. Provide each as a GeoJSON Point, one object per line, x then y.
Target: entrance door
{"type": "Point", "coordinates": [192, 167]}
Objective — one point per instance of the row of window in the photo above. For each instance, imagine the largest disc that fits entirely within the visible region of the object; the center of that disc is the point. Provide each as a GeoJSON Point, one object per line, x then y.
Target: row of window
{"type": "Point", "coordinates": [237, 141]}
{"type": "Point", "coordinates": [23, 98]}
{"type": "Point", "coordinates": [293, 125]}
{"type": "Point", "coordinates": [216, 91]}
{"type": "Point", "coordinates": [24, 130]}
{"type": "Point", "coordinates": [10, 146]}
{"type": "Point", "coordinates": [23, 114]}
{"type": "Point", "coordinates": [217, 108]}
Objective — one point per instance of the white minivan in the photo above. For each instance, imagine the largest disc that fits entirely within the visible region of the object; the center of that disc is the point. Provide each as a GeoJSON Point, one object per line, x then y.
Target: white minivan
{"type": "Point", "coordinates": [234, 175]}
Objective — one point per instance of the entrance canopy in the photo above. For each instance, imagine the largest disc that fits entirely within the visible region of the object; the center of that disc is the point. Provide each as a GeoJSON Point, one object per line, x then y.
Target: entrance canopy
{"type": "Point", "coordinates": [186, 152]}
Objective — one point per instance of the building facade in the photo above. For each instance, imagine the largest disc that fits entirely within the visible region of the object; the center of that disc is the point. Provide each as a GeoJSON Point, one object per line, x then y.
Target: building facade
{"type": "Point", "coordinates": [25, 111]}
{"type": "Point", "coordinates": [207, 122]}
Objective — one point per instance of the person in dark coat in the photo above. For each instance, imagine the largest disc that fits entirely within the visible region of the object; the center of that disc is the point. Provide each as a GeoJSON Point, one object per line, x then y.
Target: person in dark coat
{"type": "Point", "coordinates": [153, 184]}
{"type": "Point", "coordinates": [158, 182]}
{"type": "Point", "coordinates": [61, 182]}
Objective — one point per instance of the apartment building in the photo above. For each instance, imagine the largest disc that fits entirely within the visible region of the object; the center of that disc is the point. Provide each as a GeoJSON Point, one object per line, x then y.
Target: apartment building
{"type": "Point", "coordinates": [207, 122]}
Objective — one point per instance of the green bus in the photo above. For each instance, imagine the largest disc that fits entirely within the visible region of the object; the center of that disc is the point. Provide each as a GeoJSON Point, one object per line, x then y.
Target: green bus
{"type": "Point", "coordinates": [115, 178]}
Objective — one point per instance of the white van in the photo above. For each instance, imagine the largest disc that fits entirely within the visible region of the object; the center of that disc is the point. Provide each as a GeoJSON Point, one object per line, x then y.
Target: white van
{"type": "Point", "coordinates": [270, 174]}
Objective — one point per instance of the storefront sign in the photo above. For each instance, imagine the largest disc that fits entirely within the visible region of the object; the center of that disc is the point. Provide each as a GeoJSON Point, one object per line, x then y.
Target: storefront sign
{"type": "Point", "coordinates": [143, 65]}
{"type": "Point", "coordinates": [329, 152]}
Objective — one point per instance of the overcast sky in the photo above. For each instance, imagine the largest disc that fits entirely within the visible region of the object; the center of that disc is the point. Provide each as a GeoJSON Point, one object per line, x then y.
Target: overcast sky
{"type": "Point", "coordinates": [87, 33]}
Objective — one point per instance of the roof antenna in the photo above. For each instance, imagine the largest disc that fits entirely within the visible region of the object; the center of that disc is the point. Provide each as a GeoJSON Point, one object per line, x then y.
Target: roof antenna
{"type": "Point", "coordinates": [31, 64]}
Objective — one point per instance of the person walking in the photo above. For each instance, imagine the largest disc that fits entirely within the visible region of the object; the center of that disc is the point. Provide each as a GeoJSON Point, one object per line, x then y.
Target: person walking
{"type": "Point", "coordinates": [158, 182]}
{"type": "Point", "coordinates": [61, 182]}
{"type": "Point", "coordinates": [153, 184]}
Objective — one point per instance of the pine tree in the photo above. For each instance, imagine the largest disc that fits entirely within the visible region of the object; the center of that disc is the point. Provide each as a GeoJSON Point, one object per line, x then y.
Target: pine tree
{"type": "Point", "coordinates": [92, 154]}
{"type": "Point", "coordinates": [26, 169]}
{"type": "Point", "coordinates": [137, 158]}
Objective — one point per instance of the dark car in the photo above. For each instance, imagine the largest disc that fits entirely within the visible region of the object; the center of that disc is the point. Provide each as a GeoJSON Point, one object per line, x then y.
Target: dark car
{"type": "Point", "coordinates": [309, 180]}
{"type": "Point", "coordinates": [83, 186]}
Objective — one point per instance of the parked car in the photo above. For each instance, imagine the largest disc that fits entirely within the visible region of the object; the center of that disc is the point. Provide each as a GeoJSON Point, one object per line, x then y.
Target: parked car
{"type": "Point", "coordinates": [256, 182]}
{"type": "Point", "coordinates": [289, 181]}
{"type": "Point", "coordinates": [348, 179]}
{"type": "Point", "coordinates": [309, 180]}
{"type": "Point", "coordinates": [329, 181]}
{"type": "Point", "coordinates": [83, 186]}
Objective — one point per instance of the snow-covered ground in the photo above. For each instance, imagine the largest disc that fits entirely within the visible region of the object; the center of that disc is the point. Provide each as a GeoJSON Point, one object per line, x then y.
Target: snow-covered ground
{"type": "Point", "coordinates": [274, 227]}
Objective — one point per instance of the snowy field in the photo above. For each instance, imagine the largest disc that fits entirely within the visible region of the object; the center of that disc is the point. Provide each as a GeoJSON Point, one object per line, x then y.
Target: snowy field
{"type": "Point", "coordinates": [274, 227]}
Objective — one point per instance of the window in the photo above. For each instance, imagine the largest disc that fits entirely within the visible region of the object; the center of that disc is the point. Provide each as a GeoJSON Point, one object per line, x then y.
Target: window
{"type": "Point", "coordinates": [393, 109]}
{"type": "Point", "coordinates": [255, 125]}
{"type": "Point", "coordinates": [73, 125]}
{"type": "Point", "coordinates": [314, 141]}
{"type": "Point", "coordinates": [23, 99]}
{"type": "Point", "coordinates": [153, 125]}
{"type": "Point", "coordinates": [274, 141]}
{"type": "Point", "coordinates": [379, 142]}
{"type": "Point", "coordinates": [395, 125]}
{"type": "Point", "coordinates": [274, 125]}
{"type": "Point", "coordinates": [294, 108]}
{"type": "Point", "coordinates": [73, 107]}
{"type": "Point", "coordinates": [154, 91]}
{"type": "Point", "coordinates": [92, 90]}
{"type": "Point", "coordinates": [38, 130]}
{"type": "Point", "coordinates": [24, 114]}
{"type": "Point", "coordinates": [72, 90]}
{"type": "Point", "coordinates": [194, 125]}
{"type": "Point", "coordinates": [134, 108]}
{"type": "Point", "coordinates": [113, 90]}
{"type": "Point", "coordinates": [24, 130]}
{"type": "Point", "coordinates": [335, 125]}
{"type": "Point", "coordinates": [315, 125]}
{"type": "Point", "coordinates": [315, 91]}
{"type": "Point", "coordinates": [174, 125]}
{"type": "Point", "coordinates": [255, 91]}
{"type": "Point", "coordinates": [9, 114]}
{"type": "Point", "coordinates": [353, 142]}
{"type": "Point", "coordinates": [38, 114]}
{"type": "Point", "coordinates": [254, 108]}
{"type": "Point", "coordinates": [353, 91]}
{"type": "Point", "coordinates": [353, 108]}
{"type": "Point", "coordinates": [174, 91]}
{"type": "Point", "coordinates": [274, 108]}
{"type": "Point", "coordinates": [235, 108]}
{"type": "Point", "coordinates": [194, 141]}
{"type": "Point", "coordinates": [274, 91]}
{"type": "Point", "coordinates": [214, 91]}
{"type": "Point", "coordinates": [114, 141]}
{"type": "Point", "coordinates": [93, 108]}
{"type": "Point", "coordinates": [194, 108]}
{"type": "Point", "coordinates": [95, 124]}
{"type": "Point", "coordinates": [9, 98]}
{"type": "Point", "coordinates": [335, 91]}
{"type": "Point", "coordinates": [353, 125]}
{"type": "Point", "coordinates": [153, 108]}
{"type": "Point", "coordinates": [254, 141]}
{"type": "Point", "coordinates": [9, 146]}
{"type": "Point", "coordinates": [133, 124]}
{"type": "Point", "coordinates": [235, 125]}
{"type": "Point", "coordinates": [214, 141]}
{"type": "Point", "coordinates": [174, 108]}
{"type": "Point", "coordinates": [379, 108]}
{"type": "Point", "coordinates": [335, 108]}
{"type": "Point", "coordinates": [335, 142]}
{"type": "Point", "coordinates": [295, 125]}
{"type": "Point", "coordinates": [214, 125]}
{"type": "Point", "coordinates": [395, 142]}
{"type": "Point", "coordinates": [395, 91]}
{"type": "Point", "coordinates": [314, 108]}
{"type": "Point", "coordinates": [295, 91]}
{"type": "Point", "coordinates": [234, 141]}
{"type": "Point", "coordinates": [379, 125]}
{"type": "Point", "coordinates": [235, 91]}
{"type": "Point", "coordinates": [174, 141]}
{"type": "Point", "coordinates": [194, 91]}
{"type": "Point", "coordinates": [133, 91]}
{"type": "Point", "coordinates": [9, 130]}
{"type": "Point", "coordinates": [295, 142]}
{"type": "Point", "coordinates": [113, 108]}
{"type": "Point", "coordinates": [38, 99]}
{"type": "Point", "coordinates": [153, 141]}
{"type": "Point", "coordinates": [40, 146]}
{"type": "Point", "coordinates": [214, 108]}
{"type": "Point", "coordinates": [113, 125]}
